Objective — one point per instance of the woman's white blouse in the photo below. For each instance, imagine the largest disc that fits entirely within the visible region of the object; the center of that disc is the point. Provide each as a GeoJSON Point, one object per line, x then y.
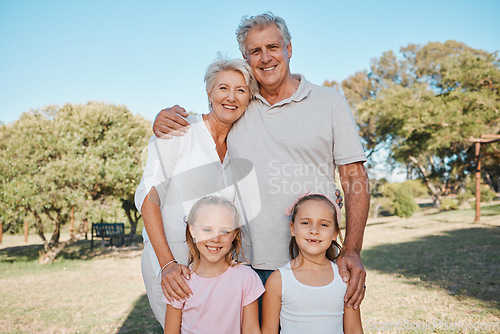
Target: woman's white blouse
{"type": "Point", "coordinates": [183, 170]}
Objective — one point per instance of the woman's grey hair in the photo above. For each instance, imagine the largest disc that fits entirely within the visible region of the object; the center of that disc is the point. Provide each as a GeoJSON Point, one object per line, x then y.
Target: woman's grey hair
{"type": "Point", "coordinates": [222, 64]}
{"type": "Point", "coordinates": [261, 20]}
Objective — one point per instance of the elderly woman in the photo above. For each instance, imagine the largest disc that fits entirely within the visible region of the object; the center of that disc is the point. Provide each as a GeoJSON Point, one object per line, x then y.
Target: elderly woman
{"type": "Point", "coordinates": [183, 169]}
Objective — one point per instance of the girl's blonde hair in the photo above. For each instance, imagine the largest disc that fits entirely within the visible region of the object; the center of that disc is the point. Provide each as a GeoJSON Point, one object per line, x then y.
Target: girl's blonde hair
{"type": "Point", "coordinates": [333, 252]}
{"type": "Point", "coordinates": [236, 249]}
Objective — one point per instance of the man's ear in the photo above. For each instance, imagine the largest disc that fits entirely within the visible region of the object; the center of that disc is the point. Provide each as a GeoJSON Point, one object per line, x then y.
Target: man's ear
{"type": "Point", "coordinates": [289, 49]}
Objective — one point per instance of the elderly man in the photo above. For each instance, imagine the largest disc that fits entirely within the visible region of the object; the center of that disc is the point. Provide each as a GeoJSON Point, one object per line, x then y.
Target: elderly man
{"type": "Point", "coordinates": [295, 133]}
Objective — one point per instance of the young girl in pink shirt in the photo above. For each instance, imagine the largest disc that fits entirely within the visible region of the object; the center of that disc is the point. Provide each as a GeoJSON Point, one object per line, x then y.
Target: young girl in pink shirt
{"type": "Point", "coordinates": [225, 293]}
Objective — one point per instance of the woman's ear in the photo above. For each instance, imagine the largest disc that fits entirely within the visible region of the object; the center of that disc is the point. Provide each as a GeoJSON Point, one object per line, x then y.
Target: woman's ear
{"type": "Point", "coordinates": [292, 231]}
{"type": "Point", "coordinates": [209, 95]}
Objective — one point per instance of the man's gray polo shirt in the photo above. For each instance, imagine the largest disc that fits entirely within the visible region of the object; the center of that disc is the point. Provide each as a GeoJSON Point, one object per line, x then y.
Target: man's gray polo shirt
{"type": "Point", "coordinates": [293, 145]}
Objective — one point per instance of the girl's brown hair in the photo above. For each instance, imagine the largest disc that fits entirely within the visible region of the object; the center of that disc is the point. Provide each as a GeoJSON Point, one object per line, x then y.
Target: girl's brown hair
{"type": "Point", "coordinates": [236, 247]}
{"type": "Point", "coordinates": [333, 252]}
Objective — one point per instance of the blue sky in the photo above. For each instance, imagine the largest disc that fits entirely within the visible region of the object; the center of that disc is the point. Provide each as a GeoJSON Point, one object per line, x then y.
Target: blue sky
{"type": "Point", "coordinates": [153, 54]}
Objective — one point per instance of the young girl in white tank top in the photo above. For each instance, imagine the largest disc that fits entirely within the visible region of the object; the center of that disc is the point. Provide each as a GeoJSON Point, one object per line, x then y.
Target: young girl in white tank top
{"type": "Point", "coordinates": [307, 294]}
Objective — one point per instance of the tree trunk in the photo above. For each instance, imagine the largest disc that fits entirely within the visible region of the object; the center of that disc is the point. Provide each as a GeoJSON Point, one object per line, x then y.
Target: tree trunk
{"type": "Point", "coordinates": [133, 219]}
{"type": "Point", "coordinates": [54, 247]}
{"type": "Point", "coordinates": [52, 253]}
{"type": "Point", "coordinates": [39, 224]}
{"type": "Point", "coordinates": [54, 241]}
{"type": "Point", "coordinates": [432, 190]}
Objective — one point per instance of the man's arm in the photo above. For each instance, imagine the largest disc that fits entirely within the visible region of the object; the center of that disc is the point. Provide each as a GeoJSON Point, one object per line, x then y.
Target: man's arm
{"type": "Point", "coordinates": [354, 181]}
{"type": "Point", "coordinates": [170, 122]}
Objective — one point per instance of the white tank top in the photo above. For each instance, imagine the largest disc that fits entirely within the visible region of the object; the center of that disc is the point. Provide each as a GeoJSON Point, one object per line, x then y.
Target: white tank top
{"type": "Point", "coordinates": [311, 309]}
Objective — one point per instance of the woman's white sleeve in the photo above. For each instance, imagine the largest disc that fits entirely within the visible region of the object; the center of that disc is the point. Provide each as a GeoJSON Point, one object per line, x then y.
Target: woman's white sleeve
{"type": "Point", "coordinates": [162, 157]}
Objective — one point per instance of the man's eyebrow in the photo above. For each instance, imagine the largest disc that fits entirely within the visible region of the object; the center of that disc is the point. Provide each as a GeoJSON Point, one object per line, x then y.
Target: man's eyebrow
{"type": "Point", "coordinates": [254, 49]}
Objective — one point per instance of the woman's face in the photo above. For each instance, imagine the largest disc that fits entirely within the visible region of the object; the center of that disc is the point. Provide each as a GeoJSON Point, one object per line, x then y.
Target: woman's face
{"type": "Point", "coordinates": [230, 96]}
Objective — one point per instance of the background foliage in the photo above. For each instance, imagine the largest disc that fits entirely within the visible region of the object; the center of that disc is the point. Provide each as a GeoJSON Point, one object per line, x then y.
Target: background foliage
{"type": "Point", "coordinates": [82, 156]}
{"type": "Point", "coordinates": [423, 104]}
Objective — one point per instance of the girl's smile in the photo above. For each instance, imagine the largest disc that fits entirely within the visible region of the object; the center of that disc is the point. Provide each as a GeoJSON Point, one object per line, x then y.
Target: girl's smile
{"type": "Point", "coordinates": [213, 249]}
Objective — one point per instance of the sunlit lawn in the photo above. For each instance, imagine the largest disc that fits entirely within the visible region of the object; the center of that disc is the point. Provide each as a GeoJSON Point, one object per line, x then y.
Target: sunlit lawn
{"type": "Point", "coordinates": [437, 269]}
{"type": "Point", "coordinates": [433, 270]}
{"type": "Point", "coordinates": [86, 292]}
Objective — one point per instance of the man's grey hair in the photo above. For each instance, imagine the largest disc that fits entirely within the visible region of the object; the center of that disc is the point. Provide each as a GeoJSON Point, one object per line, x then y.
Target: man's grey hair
{"type": "Point", "coordinates": [222, 64]}
{"type": "Point", "coordinates": [261, 21]}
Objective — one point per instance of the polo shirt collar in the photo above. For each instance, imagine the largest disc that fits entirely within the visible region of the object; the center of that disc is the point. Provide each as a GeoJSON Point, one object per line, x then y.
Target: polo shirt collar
{"type": "Point", "coordinates": [301, 93]}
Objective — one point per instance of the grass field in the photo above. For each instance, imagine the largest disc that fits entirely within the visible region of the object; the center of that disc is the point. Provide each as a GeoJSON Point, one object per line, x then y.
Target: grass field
{"type": "Point", "coordinates": [432, 273]}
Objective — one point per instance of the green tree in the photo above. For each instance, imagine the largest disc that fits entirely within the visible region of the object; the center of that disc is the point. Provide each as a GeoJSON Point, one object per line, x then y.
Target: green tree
{"type": "Point", "coordinates": [82, 156]}
{"type": "Point", "coordinates": [425, 104]}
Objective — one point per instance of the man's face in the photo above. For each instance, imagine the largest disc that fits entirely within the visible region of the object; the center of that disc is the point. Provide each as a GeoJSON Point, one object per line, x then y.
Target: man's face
{"type": "Point", "coordinates": [268, 56]}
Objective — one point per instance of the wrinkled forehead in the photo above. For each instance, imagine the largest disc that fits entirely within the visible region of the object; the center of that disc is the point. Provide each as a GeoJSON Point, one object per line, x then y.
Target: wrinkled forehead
{"type": "Point", "coordinates": [276, 32]}
{"type": "Point", "coordinates": [230, 76]}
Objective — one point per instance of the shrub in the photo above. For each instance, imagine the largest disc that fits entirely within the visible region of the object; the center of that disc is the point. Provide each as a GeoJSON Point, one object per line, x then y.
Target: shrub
{"type": "Point", "coordinates": [417, 188]}
{"type": "Point", "coordinates": [464, 196]}
{"type": "Point", "coordinates": [487, 195]}
{"type": "Point", "coordinates": [414, 187]}
{"type": "Point", "coordinates": [404, 204]}
{"type": "Point", "coordinates": [448, 204]}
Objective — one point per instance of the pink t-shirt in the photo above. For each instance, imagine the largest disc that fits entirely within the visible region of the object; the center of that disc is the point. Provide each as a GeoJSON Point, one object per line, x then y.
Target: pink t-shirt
{"type": "Point", "coordinates": [217, 302]}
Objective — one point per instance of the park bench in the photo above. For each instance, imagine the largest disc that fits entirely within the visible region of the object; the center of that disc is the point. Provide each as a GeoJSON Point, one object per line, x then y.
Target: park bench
{"type": "Point", "coordinates": [107, 231]}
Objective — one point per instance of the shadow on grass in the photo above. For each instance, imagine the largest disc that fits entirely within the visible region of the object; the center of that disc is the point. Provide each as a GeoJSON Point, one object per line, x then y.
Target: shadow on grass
{"type": "Point", "coordinates": [20, 253]}
{"type": "Point", "coordinates": [80, 250]}
{"type": "Point", "coordinates": [465, 262]}
{"type": "Point", "coordinates": [141, 319]}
